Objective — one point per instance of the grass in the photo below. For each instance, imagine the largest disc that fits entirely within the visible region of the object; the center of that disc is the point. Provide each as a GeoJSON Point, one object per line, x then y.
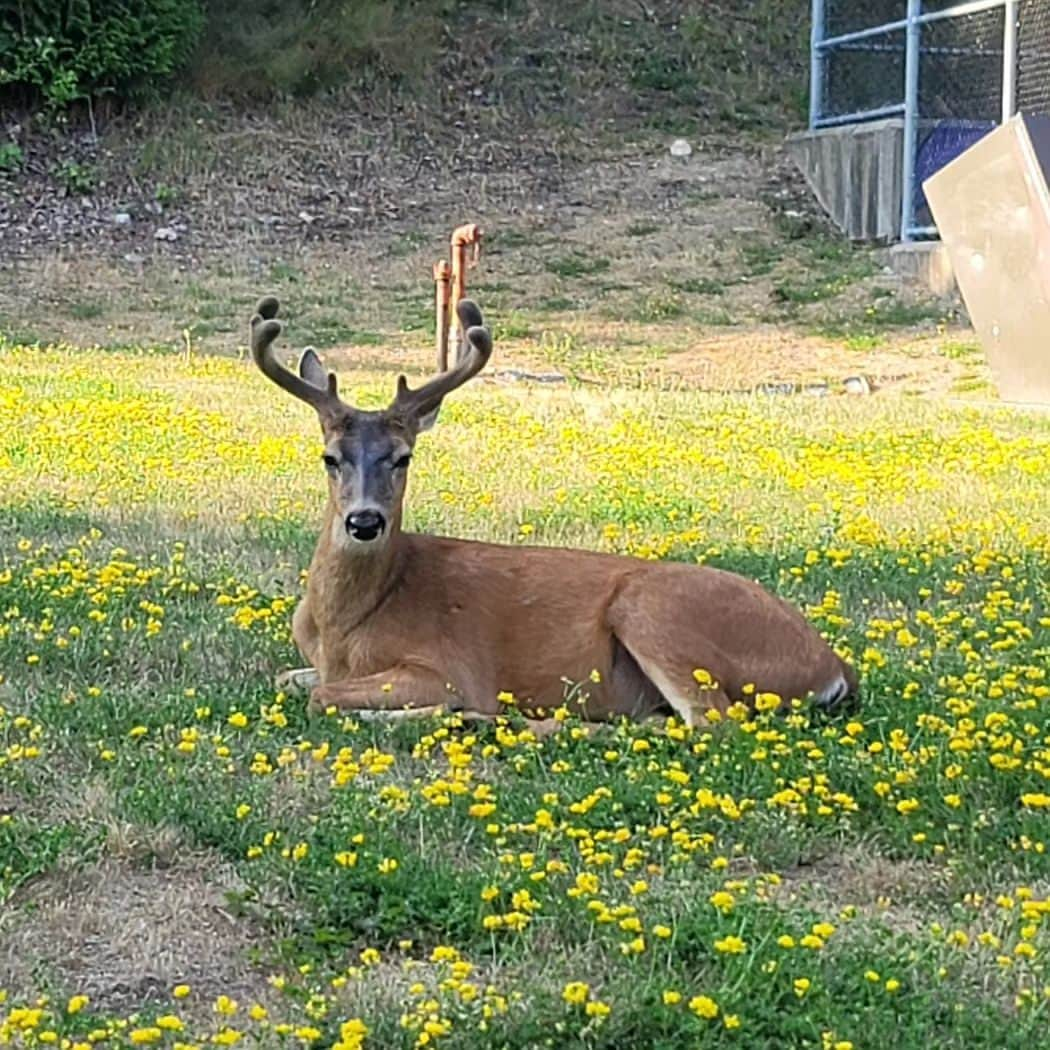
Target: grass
{"type": "Point", "coordinates": [577, 264]}
{"type": "Point", "coordinates": [771, 880]}
{"type": "Point", "coordinates": [570, 63]}
{"type": "Point", "coordinates": [862, 328]}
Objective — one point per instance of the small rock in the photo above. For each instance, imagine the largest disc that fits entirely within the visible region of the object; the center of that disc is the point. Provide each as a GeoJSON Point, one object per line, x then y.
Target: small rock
{"type": "Point", "coordinates": [516, 375]}
{"type": "Point", "coordinates": [775, 388]}
{"type": "Point", "coordinates": [681, 148]}
{"type": "Point", "coordinates": [122, 218]}
{"type": "Point", "coordinates": [817, 389]}
{"type": "Point", "coordinates": [134, 258]}
{"type": "Point", "coordinates": [857, 385]}
{"type": "Point", "coordinates": [166, 233]}
{"type": "Point", "coordinates": [305, 216]}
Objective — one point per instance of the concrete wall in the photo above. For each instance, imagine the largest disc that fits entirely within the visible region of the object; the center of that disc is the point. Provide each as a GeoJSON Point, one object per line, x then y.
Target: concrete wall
{"type": "Point", "coordinates": [855, 173]}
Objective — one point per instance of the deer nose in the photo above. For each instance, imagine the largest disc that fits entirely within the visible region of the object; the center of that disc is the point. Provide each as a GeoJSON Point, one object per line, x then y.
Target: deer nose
{"type": "Point", "coordinates": [365, 525]}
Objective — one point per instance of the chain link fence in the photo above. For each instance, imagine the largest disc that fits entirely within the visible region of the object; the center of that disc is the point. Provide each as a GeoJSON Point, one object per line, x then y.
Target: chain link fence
{"type": "Point", "coordinates": [1033, 59]}
{"type": "Point", "coordinates": [861, 67]}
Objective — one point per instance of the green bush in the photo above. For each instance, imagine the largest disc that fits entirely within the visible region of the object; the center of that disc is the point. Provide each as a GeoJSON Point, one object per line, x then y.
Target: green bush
{"type": "Point", "coordinates": [57, 52]}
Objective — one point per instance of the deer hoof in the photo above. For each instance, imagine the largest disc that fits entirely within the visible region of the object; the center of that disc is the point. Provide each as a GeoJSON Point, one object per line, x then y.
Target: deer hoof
{"type": "Point", "coordinates": [297, 680]}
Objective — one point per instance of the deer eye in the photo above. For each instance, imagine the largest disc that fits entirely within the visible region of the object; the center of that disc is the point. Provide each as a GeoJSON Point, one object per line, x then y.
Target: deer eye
{"type": "Point", "coordinates": [330, 462]}
{"type": "Point", "coordinates": [402, 461]}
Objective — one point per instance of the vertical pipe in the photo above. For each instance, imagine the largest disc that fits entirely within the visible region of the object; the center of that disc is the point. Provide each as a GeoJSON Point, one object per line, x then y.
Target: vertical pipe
{"type": "Point", "coordinates": [911, 117]}
{"type": "Point", "coordinates": [463, 238]}
{"type": "Point", "coordinates": [816, 63]}
{"type": "Point", "coordinates": [441, 298]}
{"type": "Point", "coordinates": [1010, 17]}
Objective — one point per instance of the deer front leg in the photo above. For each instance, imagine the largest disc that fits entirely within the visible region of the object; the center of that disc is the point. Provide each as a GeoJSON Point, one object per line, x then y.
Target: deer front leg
{"type": "Point", "coordinates": [407, 692]}
{"type": "Point", "coordinates": [308, 638]}
{"type": "Point", "coordinates": [404, 693]}
{"type": "Point", "coordinates": [404, 688]}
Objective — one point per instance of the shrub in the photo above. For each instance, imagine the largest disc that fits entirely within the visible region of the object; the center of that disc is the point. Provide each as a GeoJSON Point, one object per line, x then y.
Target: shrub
{"type": "Point", "coordinates": [57, 52]}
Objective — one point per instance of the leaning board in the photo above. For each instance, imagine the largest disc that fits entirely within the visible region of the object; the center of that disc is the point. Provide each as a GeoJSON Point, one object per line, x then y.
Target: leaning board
{"type": "Point", "coordinates": [992, 208]}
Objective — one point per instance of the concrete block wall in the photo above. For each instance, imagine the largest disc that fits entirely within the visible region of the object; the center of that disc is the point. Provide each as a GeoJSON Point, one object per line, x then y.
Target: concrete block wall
{"type": "Point", "coordinates": [855, 173]}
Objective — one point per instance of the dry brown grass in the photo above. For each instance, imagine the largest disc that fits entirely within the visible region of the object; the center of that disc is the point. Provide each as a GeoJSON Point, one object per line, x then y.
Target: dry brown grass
{"type": "Point", "coordinates": [125, 935]}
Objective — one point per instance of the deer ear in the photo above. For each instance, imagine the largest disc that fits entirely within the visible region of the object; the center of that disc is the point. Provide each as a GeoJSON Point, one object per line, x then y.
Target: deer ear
{"type": "Point", "coordinates": [311, 369]}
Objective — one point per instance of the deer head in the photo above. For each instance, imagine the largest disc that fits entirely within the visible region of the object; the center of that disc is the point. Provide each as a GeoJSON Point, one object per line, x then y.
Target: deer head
{"type": "Point", "coordinates": [367, 453]}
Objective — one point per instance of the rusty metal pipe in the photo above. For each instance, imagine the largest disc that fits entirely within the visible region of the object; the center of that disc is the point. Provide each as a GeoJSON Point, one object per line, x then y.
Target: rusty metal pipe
{"type": "Point", "coordinates": [465, 241]}
{"type": "Point", "coordinates": [442, 276]}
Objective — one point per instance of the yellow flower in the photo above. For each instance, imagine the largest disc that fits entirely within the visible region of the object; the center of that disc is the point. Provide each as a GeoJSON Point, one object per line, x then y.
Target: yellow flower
{"type": "Point", "coordinates": [576, 992]}
{"type": "Point", "coordinates": [704, 1006]}
{"type": "Point", "coordinates": [723, 901]}
{"type": "Point", "coordinates": [731, 945]}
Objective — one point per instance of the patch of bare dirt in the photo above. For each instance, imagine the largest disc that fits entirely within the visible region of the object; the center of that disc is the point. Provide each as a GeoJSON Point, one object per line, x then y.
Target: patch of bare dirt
{"type": "Point", "coordinates": [125, 936]}
{"type": "Point", "coordinates": [744, 360]}
{"type": "Point", "coordinates": [901, 893]}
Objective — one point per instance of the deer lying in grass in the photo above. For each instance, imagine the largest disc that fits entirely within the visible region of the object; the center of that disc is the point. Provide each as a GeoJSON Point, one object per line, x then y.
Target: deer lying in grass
{"type": "Point", "coordinates": [397, 621]}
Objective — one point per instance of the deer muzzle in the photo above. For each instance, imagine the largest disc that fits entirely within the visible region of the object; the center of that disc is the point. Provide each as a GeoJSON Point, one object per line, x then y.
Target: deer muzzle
{"type": "Point", "coordinates": [365, 525]}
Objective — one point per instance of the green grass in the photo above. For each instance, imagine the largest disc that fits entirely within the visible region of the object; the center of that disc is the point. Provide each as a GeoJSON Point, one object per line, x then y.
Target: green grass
{"type": "Point", "coordinates": [577, 264]}
{"type": "Point", "coordinates": [770, 881]}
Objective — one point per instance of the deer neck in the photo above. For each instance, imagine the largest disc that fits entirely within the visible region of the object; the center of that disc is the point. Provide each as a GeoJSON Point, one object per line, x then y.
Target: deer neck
{"type": "Point", "coordinates": [350, 584]}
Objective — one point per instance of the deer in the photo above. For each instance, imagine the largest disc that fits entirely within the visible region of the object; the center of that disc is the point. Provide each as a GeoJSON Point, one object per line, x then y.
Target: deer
{"type": "Point", "coordinates": [395, 622]}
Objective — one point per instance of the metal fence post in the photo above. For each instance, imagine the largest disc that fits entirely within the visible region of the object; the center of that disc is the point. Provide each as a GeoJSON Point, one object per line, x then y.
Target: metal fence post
{"type": "Point", "coordinates": [816, 64]}
{"type": "Point", "coordinates": [911, 117]}
{"type": "Point", "coordinates": [1010, 18]}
